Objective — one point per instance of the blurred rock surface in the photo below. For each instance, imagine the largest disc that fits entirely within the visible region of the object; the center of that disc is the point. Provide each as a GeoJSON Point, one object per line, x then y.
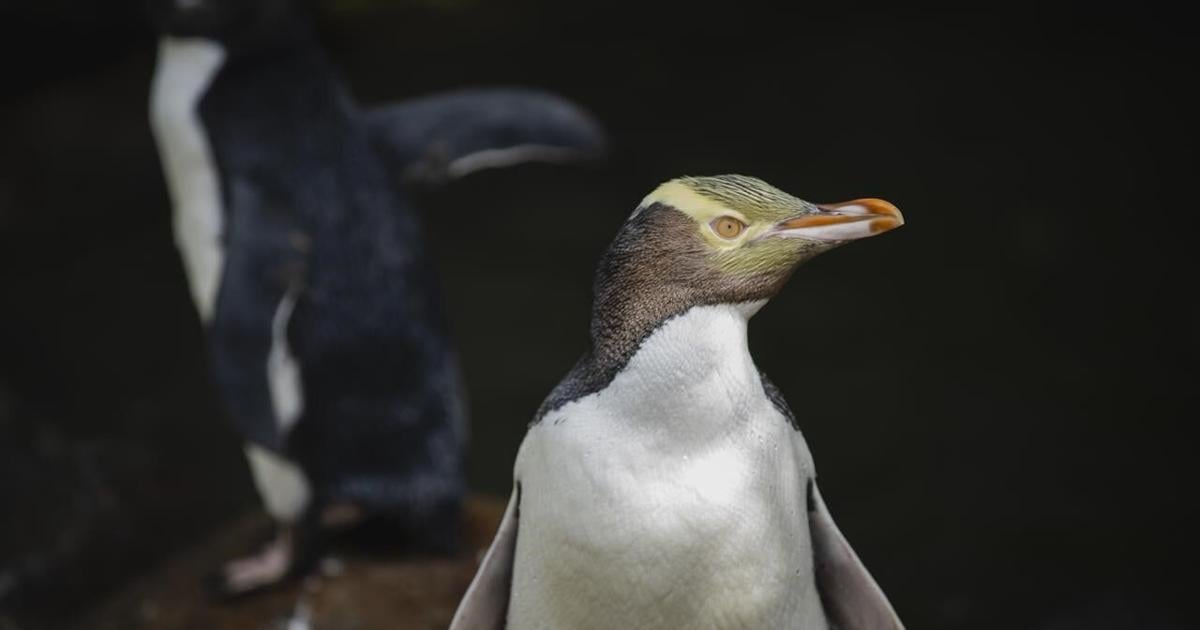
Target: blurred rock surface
{"type": "Point", "coordinates": [349, 592]}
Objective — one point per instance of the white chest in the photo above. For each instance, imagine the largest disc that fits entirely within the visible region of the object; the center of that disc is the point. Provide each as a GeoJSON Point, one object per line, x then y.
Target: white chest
{"type": "Point", "coordinates": [674, 498]}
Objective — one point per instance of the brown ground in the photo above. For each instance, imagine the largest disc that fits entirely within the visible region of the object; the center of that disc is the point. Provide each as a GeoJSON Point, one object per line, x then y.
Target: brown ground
{"type": "Point", "coordinates": [350, 593]}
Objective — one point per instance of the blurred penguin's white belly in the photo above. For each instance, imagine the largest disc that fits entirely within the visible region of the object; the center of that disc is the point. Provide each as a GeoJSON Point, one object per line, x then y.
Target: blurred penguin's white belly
{"type": "Point", "coordinates": [684, 512]}
{"type": "Point", "coordinates": [186, 67]}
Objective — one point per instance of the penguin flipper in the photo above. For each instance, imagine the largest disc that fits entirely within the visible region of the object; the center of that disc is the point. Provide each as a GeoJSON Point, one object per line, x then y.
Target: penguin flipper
{"type": "Point", "coordinates": [485, 604]}
{"type": "Point", "coordinates": [852, 598]}
{"type": "Point", "coordinates": [449, 135]}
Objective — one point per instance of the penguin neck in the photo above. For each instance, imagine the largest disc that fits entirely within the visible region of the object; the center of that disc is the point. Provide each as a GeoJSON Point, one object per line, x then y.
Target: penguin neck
{"type": "Point", "coordinates": [691, 348]}
{"type": "Point", "coordinates": [679, 354]}
{"type": "Point", "coordinates": [693, 371]}
{"type": "Point", "coordinates": [688, 339]}
{"type": "Point", "coordinates": [655, 271]}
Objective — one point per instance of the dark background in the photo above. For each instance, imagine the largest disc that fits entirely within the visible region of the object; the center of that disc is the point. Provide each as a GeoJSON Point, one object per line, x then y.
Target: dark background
{"type": "Point", "coordinates": [997, 395]}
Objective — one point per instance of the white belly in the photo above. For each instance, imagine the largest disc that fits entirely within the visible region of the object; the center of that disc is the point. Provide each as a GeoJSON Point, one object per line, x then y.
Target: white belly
{"type": "Point", "coordinates": [185, 69]}
{"type": "Point", "coordinates": [663, 519]}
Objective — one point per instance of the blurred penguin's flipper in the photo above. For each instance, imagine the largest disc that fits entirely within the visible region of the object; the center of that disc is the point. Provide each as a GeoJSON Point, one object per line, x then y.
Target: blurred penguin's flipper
{"type": "Point", "coordinates": [852, 599]}
{"type": "Point", "coordinates": [485, 604]}
{"type": "Point", "coordinates": [449, 135]}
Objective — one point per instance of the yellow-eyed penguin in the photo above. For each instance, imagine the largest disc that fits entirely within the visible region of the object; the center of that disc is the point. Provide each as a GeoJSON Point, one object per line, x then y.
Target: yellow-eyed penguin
{"type": "Point", "coordinates": [664, 483]}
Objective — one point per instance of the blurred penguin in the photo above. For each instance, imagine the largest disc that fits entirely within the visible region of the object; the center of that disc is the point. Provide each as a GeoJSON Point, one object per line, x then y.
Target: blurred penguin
{"type": "Point", "coordinates": [306, 262]}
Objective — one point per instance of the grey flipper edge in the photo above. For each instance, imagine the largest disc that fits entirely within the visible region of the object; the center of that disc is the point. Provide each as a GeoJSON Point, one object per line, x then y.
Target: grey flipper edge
{"type": "Point", "coordinates": [852, 599]}
{"type": "Point", "coordinates": [448, 135]}
{"type": "Point", "coordinates": [485, 604]}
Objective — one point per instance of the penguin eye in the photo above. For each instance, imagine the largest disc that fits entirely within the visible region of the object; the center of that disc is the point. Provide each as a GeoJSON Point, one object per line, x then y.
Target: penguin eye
{"type": "Point", "coordinates": [727, 227]}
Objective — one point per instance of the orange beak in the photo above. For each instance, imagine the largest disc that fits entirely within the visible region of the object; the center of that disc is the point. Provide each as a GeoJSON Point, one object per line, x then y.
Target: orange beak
{"type": "Point", "coordinates": [843, 221]}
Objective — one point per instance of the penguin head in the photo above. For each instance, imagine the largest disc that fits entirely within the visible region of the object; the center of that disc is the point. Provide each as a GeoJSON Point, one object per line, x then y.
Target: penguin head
{"type": "Point", "coordinates": [726, 239]}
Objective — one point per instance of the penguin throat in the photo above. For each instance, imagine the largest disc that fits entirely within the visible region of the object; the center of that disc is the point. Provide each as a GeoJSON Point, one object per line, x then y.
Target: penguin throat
{"type": "Point", "coordinates": [695, 365]}
{"type": "Point", "coordinates": [683, 351]}
{"type": "Point", "coordinates": [656, 269]}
